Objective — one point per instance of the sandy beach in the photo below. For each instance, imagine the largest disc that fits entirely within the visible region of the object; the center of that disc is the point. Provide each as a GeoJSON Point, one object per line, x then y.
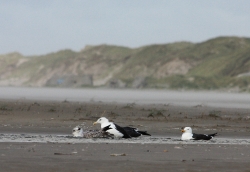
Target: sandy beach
{"type": "Point", "coordinates": [36, 136]}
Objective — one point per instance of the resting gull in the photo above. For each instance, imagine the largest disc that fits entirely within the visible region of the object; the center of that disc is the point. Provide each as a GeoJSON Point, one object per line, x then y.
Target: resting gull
{"type": "Point", "coordinates": [118, 131]}
{"type": "Point", "coordinates": [188, 135]}
{"type": "Point", "coordinates": [78, 132]}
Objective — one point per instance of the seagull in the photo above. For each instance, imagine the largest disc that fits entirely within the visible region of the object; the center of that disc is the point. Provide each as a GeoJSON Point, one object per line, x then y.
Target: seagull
{"type": "Point", "coordinates": [188, 135]}
{"type": "Point", "coordinates": [78, 132]}
{"type": "Point", "coordinates": [115, 130]}
{"type": "Point", "coordinates": [118, 131]}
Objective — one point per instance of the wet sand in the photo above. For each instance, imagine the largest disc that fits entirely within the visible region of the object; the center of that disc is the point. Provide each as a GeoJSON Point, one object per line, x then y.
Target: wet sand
{"type": "Point", "coordinates": [129, 157]}
{"type": "Point", "coordinates": [26, 117]}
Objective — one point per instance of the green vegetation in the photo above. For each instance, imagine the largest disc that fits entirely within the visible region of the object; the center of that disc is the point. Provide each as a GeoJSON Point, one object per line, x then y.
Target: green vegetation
{"type": "Point", "coordinates": [219, 63]}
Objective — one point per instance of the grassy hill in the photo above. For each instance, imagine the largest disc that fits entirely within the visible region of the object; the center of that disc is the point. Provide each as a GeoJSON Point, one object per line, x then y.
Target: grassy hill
{"type": "Point", "coordinates": [219, 63]}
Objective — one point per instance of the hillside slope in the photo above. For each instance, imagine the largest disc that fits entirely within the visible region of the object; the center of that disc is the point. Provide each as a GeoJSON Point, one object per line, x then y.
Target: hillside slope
{"type": "Point", "coordinates": [219, 63]}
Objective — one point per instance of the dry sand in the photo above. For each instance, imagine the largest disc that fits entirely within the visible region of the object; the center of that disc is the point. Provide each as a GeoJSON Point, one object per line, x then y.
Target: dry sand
{"type": "Point", "coordinates": [36, 136]}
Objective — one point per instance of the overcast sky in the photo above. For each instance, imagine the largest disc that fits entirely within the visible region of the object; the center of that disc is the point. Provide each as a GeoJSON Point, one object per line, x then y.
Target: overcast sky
{"type": "Point", "coordinates": [34, 27]}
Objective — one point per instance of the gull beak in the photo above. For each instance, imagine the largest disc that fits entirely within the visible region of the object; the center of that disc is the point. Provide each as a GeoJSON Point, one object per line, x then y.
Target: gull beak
{"type": "Point", "coordinates": [94, 123]}
{"type": "Point", "coordinates": [183, 131]}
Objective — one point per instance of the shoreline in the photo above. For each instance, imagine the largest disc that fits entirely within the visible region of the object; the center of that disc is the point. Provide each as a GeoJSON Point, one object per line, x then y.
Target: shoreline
{"type": "Point", "coordinates": [127, 96]}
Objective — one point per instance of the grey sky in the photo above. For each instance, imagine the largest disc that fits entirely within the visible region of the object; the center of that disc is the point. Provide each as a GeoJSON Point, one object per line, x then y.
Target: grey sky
{"type": "Point", "coordinates": [34, 27]}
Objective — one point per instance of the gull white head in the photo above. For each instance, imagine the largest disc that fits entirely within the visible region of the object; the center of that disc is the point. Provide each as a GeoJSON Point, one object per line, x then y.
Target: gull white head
{"type": "Point", "coordinates": [101, 120]}
{"type": "Point", "coordinates": [187, 130]}
{"type": "Point", "coordinates": [77, 132]}
{"type": "Point", "coordinates": [187, 133]}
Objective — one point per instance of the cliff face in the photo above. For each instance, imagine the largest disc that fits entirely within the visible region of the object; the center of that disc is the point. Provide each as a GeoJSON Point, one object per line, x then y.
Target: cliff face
{"type": "Point", "coordinates": [223, 62]}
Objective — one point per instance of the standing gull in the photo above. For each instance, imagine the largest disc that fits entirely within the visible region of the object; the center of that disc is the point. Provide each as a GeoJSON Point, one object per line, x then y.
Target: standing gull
{"type": "Point", "coordinates": [188, 135]}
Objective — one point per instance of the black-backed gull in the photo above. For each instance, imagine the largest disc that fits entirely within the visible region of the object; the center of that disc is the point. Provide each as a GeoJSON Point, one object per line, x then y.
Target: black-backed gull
{"type": "Point", "coordinates": [188, 135]}
{"type": "Point", "coordinates": [118, 131]}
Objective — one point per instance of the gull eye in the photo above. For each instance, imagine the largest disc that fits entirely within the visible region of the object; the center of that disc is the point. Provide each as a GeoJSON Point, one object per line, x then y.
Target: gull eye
{"type": "Point", "coordinates": [79, 128]}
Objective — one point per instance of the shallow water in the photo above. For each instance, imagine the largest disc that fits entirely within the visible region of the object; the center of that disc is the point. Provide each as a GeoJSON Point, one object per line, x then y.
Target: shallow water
{"type": "Point", "coordinates": [184, 98]}
{"type": "Point", "coordinates": [45, 138]}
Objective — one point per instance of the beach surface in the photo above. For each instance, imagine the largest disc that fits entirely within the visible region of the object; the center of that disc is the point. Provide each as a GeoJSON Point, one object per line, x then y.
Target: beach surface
{"type": "Point", "coordinates": [36, 133]}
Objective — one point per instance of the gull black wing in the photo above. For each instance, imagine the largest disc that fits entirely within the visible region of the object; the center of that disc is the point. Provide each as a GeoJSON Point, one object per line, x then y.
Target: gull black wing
{"type": "Point", "coordinates": [144, 133]}
{"type": "Point", "coordinates": [122, 130]}
{"type": "Point", "coordinates": [203, 136]}
{"type": "Point", "coordinates": [106, 128]}
{"type": "Point", "coordinates": [132, 131]}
